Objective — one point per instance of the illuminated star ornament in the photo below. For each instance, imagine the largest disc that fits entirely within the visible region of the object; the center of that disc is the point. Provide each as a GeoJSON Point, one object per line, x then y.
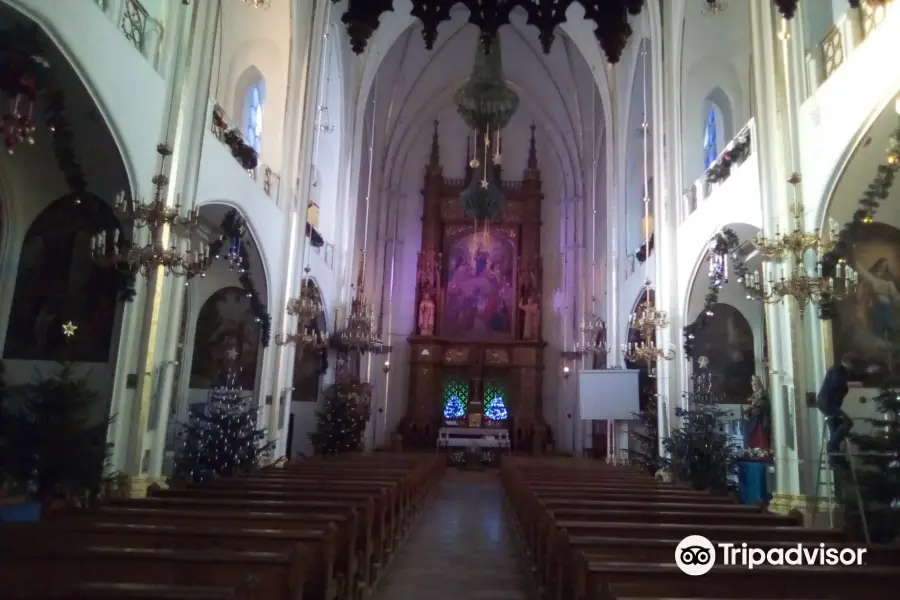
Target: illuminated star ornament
{"type": "Point", "coordinates": [69, 329]}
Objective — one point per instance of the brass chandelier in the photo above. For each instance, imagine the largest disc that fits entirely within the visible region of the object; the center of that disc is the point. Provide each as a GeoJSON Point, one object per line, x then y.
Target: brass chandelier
{"type": "Point", "coordinates": [359, 332]}
{"type": "Point", "coordinates": [308, 308]}
{"type": "Point", "coordinates": [808, 286]}
{"type": "Point", "coordinates": [109, 249]}
{"type": "Point", "coordinates": [593, 330]}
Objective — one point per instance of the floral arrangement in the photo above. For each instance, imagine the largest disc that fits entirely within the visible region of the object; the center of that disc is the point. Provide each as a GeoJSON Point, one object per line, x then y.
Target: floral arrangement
{"type": "Point", "coordinates": [758, 454]}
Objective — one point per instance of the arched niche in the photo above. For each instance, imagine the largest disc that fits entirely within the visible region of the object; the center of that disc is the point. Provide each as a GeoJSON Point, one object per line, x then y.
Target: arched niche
{"type": "Point", "coordinates": [726, 341]}
{"type": "Point", "coordinates": [225, 323]}
{"type": "Point", "coordinates": [310, 365]}
{"type": "Point", "coordinates": [646, 383]}
{"type": "Point", "coordinates": [58, 282]}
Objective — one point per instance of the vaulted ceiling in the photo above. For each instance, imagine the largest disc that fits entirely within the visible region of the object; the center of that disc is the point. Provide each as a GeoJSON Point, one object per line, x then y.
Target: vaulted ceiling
{"type": "Point", "coordinates": [413, 86]}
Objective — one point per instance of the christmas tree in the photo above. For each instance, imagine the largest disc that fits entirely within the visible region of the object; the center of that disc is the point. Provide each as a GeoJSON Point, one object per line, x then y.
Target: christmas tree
{"type": "Point", "coordinates": [700, 452]}
{"type": "Point", "coordinates": [53, 447]}
{"type": "Point", "coordinates": [222, 437]}
{"type": "Point", "coordinates": [646, 438]}
{"type": "Point", "coordinates": [454, 408]}
{"type": "Point", "coordinates": [341, 422]}
{"type": "Point", "coordinates": [877, 465]}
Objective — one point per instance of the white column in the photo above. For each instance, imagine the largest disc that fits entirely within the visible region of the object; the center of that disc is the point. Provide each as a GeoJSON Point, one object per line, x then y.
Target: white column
{"type": "Point", "coordinates": [303, 86]}
{"type": "Point", "coordinates": [130, 405]}
{"type": "Point", "coordinates": [194, 114]}
{"type": "Point", "coordinates": [769, 103]}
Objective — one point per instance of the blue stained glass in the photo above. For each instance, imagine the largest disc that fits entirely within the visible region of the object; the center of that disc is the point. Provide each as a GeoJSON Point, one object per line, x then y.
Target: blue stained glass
{"type": "Point", "coordinates": [254, 116]}
{"type": "Point", "coordinates": [710, 145]}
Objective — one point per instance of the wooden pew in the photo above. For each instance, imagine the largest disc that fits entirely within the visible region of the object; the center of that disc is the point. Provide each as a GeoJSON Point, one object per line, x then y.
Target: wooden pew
{"type": "Point", "coordinates": [135, 591]}
{"type": "Point", "coordinates": [365, 541]}
{"type": "Point", "coordinates": [317, 545]}
{"type": "Point", "coordinates": [658, 580]}
{"type": "Point", "coordinates": [281, 575]}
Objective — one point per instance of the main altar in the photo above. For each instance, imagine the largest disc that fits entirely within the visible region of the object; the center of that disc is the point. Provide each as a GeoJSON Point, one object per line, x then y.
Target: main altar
{"type": "Point", "coordinates": [476, 357]}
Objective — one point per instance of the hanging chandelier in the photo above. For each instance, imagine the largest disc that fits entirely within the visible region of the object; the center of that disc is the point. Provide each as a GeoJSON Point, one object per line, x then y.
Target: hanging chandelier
{"type": "Point", "coordinates": [258, 3]}
{"type": "Point", "coordinates": [308, 308]}
{"type": "Point", "coordinates": [712, 7]}
{"type": "Point", "coordinates": [609, 17]}
{"type": "Point", "coordinates": [109, 249]}
{"type": "Point", "coordinates": [486, 104]}
{"type": "Point", "coordinates": [359, 332]}
{"type": "Point", "coordinates": [24, 73]}
{"type": "Point", "coordinates": [593, 331]}
{"type": "Point", "coordinates": [646, 320]}
{"type": "Point", "coordinates": [807, 285]}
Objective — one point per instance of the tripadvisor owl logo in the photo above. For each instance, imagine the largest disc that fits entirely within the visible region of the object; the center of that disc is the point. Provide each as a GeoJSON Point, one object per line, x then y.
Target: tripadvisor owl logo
{"type": "Point", "coordinates": [695, 555]}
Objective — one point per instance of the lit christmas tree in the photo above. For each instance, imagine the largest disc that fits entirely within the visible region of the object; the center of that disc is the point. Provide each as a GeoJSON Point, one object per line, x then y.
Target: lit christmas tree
{"type": "Point", "coordinates": [495, 410]}
{"type": "Point", "coordinates": [222, 436]}
{"type": "Point", "coordinates": [454, 409]}
{"type": "Point", "coordinates": [341, 422]}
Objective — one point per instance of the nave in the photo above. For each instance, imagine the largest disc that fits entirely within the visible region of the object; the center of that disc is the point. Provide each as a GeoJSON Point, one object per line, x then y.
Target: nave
{"type": "Point", "coordinates": [463, 548]}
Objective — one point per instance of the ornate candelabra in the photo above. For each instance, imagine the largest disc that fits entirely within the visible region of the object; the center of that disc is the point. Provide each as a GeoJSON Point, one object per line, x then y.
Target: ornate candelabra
{"type": "Point", "coordinates": [359, 331]}
{"type": "Point", "coordinates": [805, 284]}
{"type": "Point", "coordinates": [112, 250]}
{"type": "Point", "coordinates": [307, 308]}
{"type": "Point", "coordinates": [593, 331]}
{"type": "Point", "coordinates": [646, 320]}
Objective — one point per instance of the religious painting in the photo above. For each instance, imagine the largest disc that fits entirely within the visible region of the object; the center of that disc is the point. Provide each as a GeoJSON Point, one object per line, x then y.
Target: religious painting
{"type": "Point", "coordinates": [226, 340]}
{"type": "Point", "coordinates": [866, 322]}
{"type": "Point", "coordinates": [727, 343]}
{"type": "Point", "coordinates": [58, 282]}
{"type": "Point", "coordinates": [480, 299]}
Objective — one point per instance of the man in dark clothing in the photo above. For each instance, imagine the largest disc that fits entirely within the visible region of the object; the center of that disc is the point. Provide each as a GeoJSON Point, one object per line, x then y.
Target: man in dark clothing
{"type": "Point", "coordinates": [830, 401]}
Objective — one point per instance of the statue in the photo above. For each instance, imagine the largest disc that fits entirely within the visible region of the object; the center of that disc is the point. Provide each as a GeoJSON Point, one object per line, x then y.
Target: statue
{"type": "Point", "coordinates": [426, 315]}
{"type": "Point", "coordinates": [757, 424]}
{"type": "Point", "coordinates": [531, 315]}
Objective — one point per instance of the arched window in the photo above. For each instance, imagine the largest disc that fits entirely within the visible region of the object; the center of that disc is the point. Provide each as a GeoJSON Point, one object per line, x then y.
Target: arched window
{"type": "Point", "coordinates": [253, 114]}
{"type": "Point", "coordinates": [710, 143]}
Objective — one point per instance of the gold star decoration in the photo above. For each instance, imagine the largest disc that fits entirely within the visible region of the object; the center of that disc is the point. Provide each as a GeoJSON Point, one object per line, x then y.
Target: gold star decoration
{"type": "Point", "coordinates": [484, 184]}
{"type": "Point", "coordinates": [69, 329]}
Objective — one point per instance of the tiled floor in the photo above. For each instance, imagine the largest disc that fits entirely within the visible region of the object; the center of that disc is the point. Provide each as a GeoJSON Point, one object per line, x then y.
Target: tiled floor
{"type": "Point", "coordinates": [462, 548]}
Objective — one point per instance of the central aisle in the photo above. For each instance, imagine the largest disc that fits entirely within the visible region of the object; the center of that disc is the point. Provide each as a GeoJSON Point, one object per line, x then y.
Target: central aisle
{"type": "Point", "coordinates": [462, 548]}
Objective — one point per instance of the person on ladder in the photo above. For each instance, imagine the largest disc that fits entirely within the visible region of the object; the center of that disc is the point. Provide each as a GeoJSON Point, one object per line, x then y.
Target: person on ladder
{"type": "Point", "coordinates": [830, 402]}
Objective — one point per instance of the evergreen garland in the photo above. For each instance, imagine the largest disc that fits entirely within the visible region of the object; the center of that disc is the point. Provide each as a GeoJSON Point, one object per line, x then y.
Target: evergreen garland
{"type": "Point", "coordinates": [723, 245]}
{"type": "Point", "coordinates": [25, 70]}
{"type": "Point", "coordinates": [867, 206]}
{"type": "Point", "coordinates": [731, 158]}
{"type": "Point", "coordinates": [234, 228]}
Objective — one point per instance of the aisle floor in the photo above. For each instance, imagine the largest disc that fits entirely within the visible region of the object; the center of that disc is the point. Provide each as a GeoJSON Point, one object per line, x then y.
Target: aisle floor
{"type": "Point", "coordinates": [462, 548]}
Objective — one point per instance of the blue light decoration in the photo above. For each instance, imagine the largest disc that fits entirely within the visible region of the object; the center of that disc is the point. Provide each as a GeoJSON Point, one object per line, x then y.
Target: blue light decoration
{"type": "Point", "coordinates": [454, 409]}
{"type": "Point", "coordinates": [495, 409]}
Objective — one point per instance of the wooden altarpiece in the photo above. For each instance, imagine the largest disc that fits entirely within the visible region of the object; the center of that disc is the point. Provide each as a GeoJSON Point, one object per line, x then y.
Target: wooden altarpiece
{"type": "Point", "coordinates": [482, 282]}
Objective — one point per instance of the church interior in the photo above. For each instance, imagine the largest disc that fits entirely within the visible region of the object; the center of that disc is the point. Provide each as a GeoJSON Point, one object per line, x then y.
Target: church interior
{"type": "Point", "coordinates": [349, 299]}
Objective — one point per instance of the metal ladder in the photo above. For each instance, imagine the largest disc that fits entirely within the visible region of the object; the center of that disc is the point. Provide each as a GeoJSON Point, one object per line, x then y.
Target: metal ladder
{"type": "Point", "coordinates": [824, 465]}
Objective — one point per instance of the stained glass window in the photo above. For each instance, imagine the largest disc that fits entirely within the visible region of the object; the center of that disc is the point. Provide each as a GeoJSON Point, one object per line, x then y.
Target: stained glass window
{"type": "Point", "coordinates": [710, 145]}
{"type": "Point", "coordinates": [255, 97]}
{"type": "Point", "coordinates": [495, 402]}
{"type": "Point", "coordinates": [456, 398]}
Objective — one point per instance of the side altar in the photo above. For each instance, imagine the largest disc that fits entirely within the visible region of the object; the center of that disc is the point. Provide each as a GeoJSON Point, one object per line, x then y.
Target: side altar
{"type": "Point", "coordinates": [476, 358]}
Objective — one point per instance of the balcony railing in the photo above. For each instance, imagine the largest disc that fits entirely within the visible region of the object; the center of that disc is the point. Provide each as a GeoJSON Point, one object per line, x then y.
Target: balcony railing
{"type": "Point", "coordinates": [732, 157]}
{"type": "Point", "coordinates": [269, 180]}
{"type": "Point", "coordinates": [143, 31]}
{"type": "Point", "coordinates": [848, 33]}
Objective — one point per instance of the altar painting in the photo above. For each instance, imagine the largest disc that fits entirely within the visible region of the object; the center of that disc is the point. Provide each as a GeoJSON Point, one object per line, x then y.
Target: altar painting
{"type": "Point", "coordinates": [480, 299]}
{"type": "Point", "coordinates": [867, 321]}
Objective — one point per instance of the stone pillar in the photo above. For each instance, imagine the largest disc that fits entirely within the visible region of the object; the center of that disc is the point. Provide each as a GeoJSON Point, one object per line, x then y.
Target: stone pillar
{"type": "Point", "coordinates": [300, 119]}
{"type": "Point", "coordinates": [771, 101]}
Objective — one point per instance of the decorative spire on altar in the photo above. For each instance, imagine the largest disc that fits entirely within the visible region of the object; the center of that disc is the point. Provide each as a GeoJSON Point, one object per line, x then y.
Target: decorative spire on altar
{"type": "Point", "coordinates": [434, 162]}
{"type": "Point", "coordinates": [532, 171]}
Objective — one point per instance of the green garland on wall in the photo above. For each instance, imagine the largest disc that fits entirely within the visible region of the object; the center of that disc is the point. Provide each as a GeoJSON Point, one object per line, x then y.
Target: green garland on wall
{"type": "Point", "coordinates": [25, 70]}
{"type": "Point", "coordinates": [234, 228]}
